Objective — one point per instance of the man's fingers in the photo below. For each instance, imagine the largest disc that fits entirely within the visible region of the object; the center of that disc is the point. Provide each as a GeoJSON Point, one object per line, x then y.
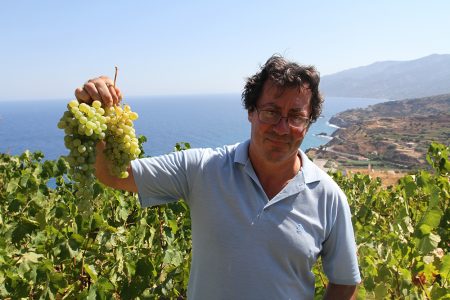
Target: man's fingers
{"type": "Point", "coordinates": [104, 91]}
{"type": "Point", "coordinates": [113, 91]}
{"type": "Point", "coordinates": [98, 90]}
{"type": "Point", "coordinates": [90, 88]}
{"type": "Point", "coordinates": [116, 94]}
{"type": "Point", "coordinates": [82, 95]}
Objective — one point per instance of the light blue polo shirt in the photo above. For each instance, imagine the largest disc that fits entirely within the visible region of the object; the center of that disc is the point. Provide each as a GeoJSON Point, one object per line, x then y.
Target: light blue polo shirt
{"type": "Point", "coordinates": [245, 246]}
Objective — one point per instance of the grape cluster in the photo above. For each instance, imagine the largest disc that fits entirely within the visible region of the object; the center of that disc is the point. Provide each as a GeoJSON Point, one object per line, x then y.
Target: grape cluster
{"type": "Point", "coordinates": [83, 126]}
{"type": "Point", "coordinates": [122, 146]}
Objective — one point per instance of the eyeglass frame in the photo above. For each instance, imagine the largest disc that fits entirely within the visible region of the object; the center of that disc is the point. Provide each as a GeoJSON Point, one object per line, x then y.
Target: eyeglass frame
{"type": "Point", "coordinates": [280, 117]}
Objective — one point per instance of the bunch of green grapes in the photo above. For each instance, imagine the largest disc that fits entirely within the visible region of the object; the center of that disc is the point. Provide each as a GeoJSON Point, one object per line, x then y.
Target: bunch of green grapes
{"type": "Point", "coordinates": [83, 126]}
{"type": "Point", "coordinates": [122, 146]}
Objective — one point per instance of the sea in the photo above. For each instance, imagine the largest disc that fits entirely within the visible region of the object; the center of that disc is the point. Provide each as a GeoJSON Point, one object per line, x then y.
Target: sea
{"type": "Point", "coordinates": [200, 120]}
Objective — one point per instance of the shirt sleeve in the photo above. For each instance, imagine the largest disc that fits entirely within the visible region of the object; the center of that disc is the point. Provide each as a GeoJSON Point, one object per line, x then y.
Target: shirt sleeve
{"type": "Point", "coordinates": [166, 178]}
{"type": "Point", "coordinates": [339, 258]}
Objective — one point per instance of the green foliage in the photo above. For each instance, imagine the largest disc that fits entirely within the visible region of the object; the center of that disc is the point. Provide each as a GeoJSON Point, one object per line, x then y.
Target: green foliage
{"type": "Point", "coordinates": [49, 250]}
{"type": "Point", "coordinates": [402, 232]}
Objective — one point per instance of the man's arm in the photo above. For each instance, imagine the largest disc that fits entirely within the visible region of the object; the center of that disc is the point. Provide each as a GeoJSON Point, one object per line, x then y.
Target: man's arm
{"type": "Point", "coordinates": [338, 291]}
{"type": "Point", "coordinates": [103, 175]}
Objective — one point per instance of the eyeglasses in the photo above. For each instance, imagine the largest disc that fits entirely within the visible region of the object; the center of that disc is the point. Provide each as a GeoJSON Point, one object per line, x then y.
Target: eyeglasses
{"type": "Point", "coordinates": [272, 117]}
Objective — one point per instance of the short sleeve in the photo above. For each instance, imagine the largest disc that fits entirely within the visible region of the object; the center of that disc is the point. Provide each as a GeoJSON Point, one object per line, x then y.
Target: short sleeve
{"type": "Point", "coordinates": [339, 258]}
{"type": "Point", "coordinates": [166, 178]}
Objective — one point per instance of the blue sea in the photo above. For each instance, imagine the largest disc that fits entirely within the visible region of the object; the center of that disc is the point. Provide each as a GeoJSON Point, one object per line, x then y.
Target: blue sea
{"type": "Point", "coordinates": [203, 121]}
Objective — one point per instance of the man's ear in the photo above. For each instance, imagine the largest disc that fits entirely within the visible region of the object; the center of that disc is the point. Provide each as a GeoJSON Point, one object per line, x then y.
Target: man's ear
{"type": "Point", "coordinates": [250, 115]}
{"type": "Point", "coordinates": [305, 131]}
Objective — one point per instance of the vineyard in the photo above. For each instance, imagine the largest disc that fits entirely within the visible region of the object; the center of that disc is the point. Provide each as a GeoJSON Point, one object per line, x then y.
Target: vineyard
{"type": "Point", "coordinates": [50, 249]}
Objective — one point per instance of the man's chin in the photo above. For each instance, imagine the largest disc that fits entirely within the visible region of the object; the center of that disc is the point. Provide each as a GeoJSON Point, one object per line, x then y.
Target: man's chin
{"type": "Point", "coordinates": [280, 151]}
{"type": "Point", "coordinates": [277, 154]}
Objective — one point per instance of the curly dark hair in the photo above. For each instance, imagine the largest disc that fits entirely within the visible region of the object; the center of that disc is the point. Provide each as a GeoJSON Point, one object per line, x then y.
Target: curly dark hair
{"type": "Point", "coordinates": [283, 74]}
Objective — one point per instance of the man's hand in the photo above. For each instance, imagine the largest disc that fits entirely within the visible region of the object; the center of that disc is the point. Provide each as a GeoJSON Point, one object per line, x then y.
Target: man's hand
{"type": "Point", "coordinates": [340, 292]}
{"type": "Point", "coordinates": [103, 175]}
{"type": "Point", "coordinates": [102, 89]}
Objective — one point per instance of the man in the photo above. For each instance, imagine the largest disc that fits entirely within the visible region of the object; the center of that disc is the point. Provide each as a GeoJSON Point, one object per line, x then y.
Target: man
{"type": "Point", "coordinates": [262, 213]}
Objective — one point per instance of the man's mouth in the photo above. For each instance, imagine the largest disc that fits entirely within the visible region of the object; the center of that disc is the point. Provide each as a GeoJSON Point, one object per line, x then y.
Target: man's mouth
{"type": "Point", "coordinates": [277, 140]}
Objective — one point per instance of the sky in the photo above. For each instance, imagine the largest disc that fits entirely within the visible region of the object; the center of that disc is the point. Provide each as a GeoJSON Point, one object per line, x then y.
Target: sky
{"type": "Point", "coordinates": [48, 48]}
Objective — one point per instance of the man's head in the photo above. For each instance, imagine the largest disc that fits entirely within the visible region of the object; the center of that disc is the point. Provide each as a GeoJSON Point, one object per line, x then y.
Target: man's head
{"type": "Point", "coordinates": [284, 75]}
{"type": "Point", "coordinates": [282, 100]}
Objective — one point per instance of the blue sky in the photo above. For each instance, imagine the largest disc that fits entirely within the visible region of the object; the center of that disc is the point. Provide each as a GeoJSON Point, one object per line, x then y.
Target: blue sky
{"type": "Point", "coordinates": [48, 48]}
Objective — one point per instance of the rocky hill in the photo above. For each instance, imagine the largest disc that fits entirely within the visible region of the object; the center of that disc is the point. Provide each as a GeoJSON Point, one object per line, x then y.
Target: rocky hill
{"type": "Point", "coordinates": [393, 80]}
{"type": "Point", "coordinates": [393, 134]}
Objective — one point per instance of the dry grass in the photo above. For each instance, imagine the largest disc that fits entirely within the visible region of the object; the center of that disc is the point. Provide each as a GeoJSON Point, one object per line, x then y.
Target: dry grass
{"type": "Point", "coordinates": [388, 178]}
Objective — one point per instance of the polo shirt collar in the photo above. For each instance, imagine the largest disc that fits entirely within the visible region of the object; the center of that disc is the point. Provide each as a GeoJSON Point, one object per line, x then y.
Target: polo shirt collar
{"type": "Point", "coordinates": [309, 169]}
{"type": "Point", "coordinates": [241, 154]}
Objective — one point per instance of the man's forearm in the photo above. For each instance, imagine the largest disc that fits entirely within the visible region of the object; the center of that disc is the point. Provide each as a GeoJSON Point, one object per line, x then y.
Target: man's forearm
{"type": "Point", "coordinates": [338, 291]}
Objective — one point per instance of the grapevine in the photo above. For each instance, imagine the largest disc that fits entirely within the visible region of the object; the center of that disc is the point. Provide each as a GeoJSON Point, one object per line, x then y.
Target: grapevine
{"type": "Point", "coordinates": [49, 250]}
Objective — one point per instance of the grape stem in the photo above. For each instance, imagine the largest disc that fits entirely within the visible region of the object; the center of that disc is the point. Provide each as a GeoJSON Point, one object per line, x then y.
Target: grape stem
{"type": "Point", "coordinates": [115, 76]}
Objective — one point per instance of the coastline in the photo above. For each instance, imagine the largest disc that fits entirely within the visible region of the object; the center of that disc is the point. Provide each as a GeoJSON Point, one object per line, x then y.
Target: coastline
{"type": "Point", "coordinates": [385, 136]}
{"type": "Point", "coordinates": [332, 125]}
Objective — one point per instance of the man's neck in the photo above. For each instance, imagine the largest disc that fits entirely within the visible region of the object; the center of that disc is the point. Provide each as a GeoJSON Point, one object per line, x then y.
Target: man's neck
{"type": "Point", "coordinates": [274, 176]}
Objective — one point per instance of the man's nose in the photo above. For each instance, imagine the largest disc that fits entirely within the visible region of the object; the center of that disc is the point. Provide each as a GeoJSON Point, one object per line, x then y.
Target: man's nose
{"type": "Point", "coordinates": [282, 127]}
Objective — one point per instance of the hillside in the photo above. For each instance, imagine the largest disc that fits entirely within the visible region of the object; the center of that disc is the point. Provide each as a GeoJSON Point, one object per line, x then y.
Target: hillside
{"type": "Point", "coordinates": [393, 135]}
{"type": "Point", "coordinates": [393, 80]}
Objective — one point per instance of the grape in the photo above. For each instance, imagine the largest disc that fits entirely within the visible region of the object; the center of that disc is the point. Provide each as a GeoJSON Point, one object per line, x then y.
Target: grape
{"type": "Point", "coordinates": [84, 126]}
{"type": "Point", "coordinates": [122, 146]}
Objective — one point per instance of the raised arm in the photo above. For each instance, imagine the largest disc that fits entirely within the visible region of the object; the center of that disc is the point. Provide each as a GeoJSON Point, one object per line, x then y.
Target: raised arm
{"type": "Point", "coordinates": [103, 90]}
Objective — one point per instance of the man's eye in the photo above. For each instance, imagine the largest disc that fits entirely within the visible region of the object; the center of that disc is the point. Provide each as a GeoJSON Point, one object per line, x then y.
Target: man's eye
{"type": "Point", "coordinates": [298, 118]}
{"type": "Point", "coordinates": [271, 113]}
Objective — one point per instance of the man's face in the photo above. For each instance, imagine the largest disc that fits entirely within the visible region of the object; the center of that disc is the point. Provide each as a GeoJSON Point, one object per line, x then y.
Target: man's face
{"type": "Point", "coordinates": [279, 142]}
